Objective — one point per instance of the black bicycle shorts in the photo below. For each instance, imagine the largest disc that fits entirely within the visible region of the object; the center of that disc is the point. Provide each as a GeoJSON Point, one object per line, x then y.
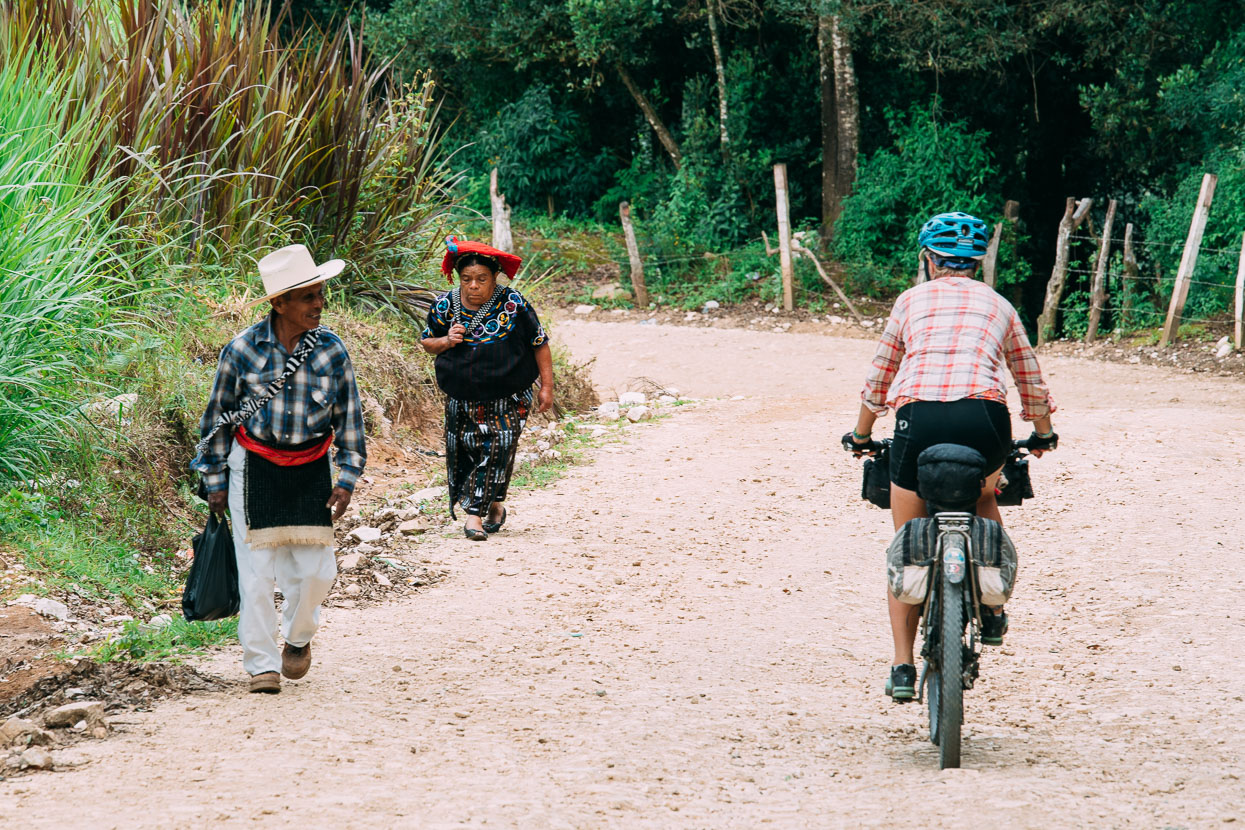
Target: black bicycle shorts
{"type": "Point", "coordinates": [983, 425]}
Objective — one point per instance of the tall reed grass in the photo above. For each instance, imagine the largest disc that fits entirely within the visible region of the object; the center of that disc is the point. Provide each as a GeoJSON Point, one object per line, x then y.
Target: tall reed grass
{"type": "Point", "coordinates": [227, 138]}
{"type": "Point", "coordinates": [59, 281]}
{"type": "Point", "coordinates": [150, 148]}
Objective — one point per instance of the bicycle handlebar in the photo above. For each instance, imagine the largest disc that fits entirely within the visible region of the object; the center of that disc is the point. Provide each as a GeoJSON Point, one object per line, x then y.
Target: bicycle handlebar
{"type": "Point", "coordinates": [874, 447]}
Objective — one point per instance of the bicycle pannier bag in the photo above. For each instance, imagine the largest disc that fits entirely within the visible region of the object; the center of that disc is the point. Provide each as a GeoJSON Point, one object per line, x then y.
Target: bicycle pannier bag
{"type": "Point", "coordinates": [876, 488]}
{"type": "Point", "coordinates": [994, 558]}
{"type": "Point", "coordinates": [909, 559]}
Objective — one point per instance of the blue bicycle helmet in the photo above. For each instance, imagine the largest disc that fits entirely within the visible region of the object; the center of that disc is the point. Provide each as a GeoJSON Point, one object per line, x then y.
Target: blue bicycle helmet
{"type": "Point", "coordinates": [956, 235]}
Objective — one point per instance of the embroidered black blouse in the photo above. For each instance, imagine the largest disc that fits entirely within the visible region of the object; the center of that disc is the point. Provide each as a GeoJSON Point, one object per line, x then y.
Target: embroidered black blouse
{"type": "Point", "coordinates": [497, 357]}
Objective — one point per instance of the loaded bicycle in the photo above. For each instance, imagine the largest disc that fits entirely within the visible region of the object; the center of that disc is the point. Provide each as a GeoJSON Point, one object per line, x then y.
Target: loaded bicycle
{"type": "Point", "coordinates": [953, 564]}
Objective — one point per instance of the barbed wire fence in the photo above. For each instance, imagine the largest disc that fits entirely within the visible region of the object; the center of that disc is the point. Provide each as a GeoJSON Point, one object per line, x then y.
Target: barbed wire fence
{"type": "Point", "coordinates": [1130, 287]}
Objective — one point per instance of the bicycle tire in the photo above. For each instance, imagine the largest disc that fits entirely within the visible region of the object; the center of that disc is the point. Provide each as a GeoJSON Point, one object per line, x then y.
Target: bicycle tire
{"type": "Point", "coordinates": [950, 668]}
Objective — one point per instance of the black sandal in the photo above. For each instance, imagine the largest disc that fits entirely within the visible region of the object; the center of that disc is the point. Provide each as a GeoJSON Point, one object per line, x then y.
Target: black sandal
{"type": "Point", "coordinates": [493, 527]}
{"type": "Point", "coordinates": [475, 535]}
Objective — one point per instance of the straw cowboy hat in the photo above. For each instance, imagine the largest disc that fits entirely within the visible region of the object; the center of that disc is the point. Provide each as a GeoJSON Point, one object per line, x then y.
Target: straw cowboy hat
{"type": "Point", "coordinates": [293, 267]}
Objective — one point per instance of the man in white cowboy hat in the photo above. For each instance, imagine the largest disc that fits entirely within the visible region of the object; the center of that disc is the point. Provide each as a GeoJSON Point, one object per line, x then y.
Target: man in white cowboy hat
{"type": "Point", "coordinates": [272, 469]}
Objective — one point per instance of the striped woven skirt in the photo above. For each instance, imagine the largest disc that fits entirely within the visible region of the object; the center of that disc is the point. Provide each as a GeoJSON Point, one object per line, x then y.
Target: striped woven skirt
{"type": "Point", "coordinates": [481, 438]}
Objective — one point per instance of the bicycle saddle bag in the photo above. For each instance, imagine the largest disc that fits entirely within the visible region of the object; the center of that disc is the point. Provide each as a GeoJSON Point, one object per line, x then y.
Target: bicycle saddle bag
{"type": "Point", "coordinates": [876, 488]}
{"type": "Point", "coordinates": [950, 476]}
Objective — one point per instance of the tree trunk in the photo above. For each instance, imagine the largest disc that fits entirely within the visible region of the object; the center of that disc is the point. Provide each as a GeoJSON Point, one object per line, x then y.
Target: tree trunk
{"type": "Point", "coordinates": [1132, 273]}
{"type": "Point", "coordinates": [721, 73]}
{"type": "Point", "coordinates": [840, 118]}
{"type": "Point", "coordinates": [990, 265]}
{"type": "Point", "coordinates": [847, 110]}
{"type": "Point", "coordinates": [829, 130]}
{"type": "Point", "coordinates": [1098, 290]}
{"type": "Point", "coordinates": [1073, 215]}
{"type": "Point", "coordinates": [502, 238]}
{"type": "Point", "coordinates": [654, 120]}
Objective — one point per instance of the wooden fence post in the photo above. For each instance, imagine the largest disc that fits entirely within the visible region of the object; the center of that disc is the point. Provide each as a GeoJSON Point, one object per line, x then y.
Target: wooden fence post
{"type": "Point", "coordinates": [1098, 294]}
{"type": "Point", "coordinates": [633, 254]}
{"type": "Point", "coordinates": [1240, 295]}
{"type": "Point", "coordinates": [990, 265]}
{"type": "Point", "coordinates": [502, 239]}
{"type": "Point", "coordinates": [784, 236]}
{"type": "Point", "coordinates": [1188, 260]}
{"type": "Point", "coordinates": [1073, 214]}
{"type": "Point", "coordinates": [1131, 273]}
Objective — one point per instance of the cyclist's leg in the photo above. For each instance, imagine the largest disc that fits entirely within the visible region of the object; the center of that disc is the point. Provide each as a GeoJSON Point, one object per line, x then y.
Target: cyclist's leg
{"type": "Point", "coordinates": [987, 506]}
{"type": "Point", "coordinates": [905, 505]}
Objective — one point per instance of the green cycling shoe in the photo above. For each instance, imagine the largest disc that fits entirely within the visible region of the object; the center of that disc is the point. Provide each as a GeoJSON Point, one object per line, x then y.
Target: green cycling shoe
{"type": "Point", "coordinates": [901, 684]}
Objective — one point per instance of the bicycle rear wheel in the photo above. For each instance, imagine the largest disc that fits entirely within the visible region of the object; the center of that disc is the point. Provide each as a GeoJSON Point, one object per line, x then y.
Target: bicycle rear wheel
{"type": "Point", "coordinates": [949, 699]}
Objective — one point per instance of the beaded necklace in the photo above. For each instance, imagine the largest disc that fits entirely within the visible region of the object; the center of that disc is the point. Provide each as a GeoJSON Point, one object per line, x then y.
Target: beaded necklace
{"type": "Point", "coordinates": [473, 326]}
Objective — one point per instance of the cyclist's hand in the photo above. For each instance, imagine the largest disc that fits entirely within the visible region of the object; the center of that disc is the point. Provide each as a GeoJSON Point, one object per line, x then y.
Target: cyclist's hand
{"type": "Point", "coordinates": [857, 448]}
{"type": "Point", "coordinates": [1039, 445]}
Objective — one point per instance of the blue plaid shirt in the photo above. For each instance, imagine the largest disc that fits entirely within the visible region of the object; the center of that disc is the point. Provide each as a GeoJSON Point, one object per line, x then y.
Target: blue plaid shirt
{"type": "Point", "coordinates": [321, 396]}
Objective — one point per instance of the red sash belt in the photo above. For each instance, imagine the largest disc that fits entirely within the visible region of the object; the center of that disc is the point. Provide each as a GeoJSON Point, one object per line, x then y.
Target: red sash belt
{"type": "Point", "coordinates": [283, 458]}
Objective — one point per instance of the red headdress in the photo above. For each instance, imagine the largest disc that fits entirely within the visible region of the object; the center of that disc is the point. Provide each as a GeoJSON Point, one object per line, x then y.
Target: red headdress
{"type": "Point", "coordinates": [455, 247]}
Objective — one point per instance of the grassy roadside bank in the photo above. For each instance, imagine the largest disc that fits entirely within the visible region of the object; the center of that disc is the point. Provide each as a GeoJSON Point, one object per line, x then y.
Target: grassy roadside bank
{"type": "Point", "coordinates": [107, 530]}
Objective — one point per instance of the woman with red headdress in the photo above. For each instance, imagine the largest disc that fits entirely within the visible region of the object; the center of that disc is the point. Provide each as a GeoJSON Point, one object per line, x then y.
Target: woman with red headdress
{"type": "Point", "coordinates": [490, 348]}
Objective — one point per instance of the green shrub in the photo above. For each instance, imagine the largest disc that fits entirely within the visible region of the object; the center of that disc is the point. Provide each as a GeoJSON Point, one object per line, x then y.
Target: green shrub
{"type": "Point", "coordinates": [1167, 226]}
{"type": "Point", "coordinates": [932, 166]}
{"type": "Point", "coordinates": [537, 144]}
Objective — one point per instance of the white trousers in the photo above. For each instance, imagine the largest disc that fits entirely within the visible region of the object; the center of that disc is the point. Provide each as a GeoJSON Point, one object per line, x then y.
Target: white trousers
{"type": "Point", "coordinates": [303, 573]}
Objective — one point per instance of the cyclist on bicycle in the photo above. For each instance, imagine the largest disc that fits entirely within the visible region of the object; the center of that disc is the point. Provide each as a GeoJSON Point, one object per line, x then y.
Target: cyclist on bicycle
{"type": "Point", "coordinates": [940, 364]}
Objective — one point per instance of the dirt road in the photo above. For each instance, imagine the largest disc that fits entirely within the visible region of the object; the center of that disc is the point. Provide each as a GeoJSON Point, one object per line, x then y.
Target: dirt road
{"type": "Point", "coordinates": [690, 632]}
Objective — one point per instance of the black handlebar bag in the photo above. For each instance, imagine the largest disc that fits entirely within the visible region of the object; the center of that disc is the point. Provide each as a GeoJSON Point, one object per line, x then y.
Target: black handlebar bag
{"type": "Point", "coordinates": [1014, 483]}
{"type": "Point", "coordinates": [876, 487]}
{"type": "Point", "coordinates": [212, 584]}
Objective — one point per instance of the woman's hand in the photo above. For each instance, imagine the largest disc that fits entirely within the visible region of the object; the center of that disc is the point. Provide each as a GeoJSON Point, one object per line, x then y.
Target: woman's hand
{"type": "Point", "coordinates": [544, 398]}
{"type": "Point", "coordinates": [217, 502]}
{"type": "Point", "coordinates": [457, 332]}
{"type": "Point", "coordinates": [858, 446]}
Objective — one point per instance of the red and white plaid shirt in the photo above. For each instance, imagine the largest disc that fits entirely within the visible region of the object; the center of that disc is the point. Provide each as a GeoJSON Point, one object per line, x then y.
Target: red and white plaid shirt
{"type": "Point", "coordinates": [948, 339]}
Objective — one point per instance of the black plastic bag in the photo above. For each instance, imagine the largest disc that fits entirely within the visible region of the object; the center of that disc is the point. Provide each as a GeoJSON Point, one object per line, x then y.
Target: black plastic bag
{"type": "Point", "coordinates": [212, 585]}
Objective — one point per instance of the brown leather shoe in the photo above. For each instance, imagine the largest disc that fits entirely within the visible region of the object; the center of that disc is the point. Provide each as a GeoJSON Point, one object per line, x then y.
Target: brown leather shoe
{"type": "Point", "coordinates": [267, 682]}
{"type": "Point", "coordinates": [295, 660]}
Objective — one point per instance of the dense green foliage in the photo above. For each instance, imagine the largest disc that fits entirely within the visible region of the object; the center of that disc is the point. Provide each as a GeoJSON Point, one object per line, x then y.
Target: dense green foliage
{"type": "Point", "coordinates": [931, 164]}
{"type": "Point", "coordinates": [1057, 98]}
